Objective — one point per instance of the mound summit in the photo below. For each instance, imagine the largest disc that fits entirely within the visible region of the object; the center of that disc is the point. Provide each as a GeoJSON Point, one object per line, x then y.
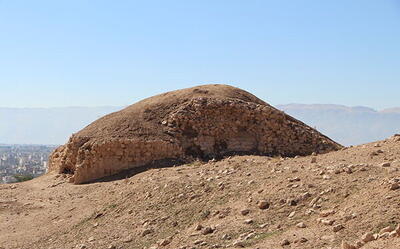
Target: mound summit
{"type": "Point", "coordinates": [203, 122]}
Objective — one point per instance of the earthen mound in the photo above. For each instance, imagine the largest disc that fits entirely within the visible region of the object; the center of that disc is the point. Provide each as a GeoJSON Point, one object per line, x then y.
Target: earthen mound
{"type": "Point", "coordinates": [203, 122]}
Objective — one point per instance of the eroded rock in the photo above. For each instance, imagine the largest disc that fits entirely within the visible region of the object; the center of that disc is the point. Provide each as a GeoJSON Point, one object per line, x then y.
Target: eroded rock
{"type": "Point", "coordinates": [203, 122]}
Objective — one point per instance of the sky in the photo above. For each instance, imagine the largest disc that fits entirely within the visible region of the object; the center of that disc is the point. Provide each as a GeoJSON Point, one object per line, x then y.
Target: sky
{"type": "Point", "coordinates": [101, 53]}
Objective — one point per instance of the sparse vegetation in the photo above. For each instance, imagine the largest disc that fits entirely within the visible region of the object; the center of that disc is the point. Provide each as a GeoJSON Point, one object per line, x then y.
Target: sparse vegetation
{"type": "Point", "coordinates": [260, 237]}
{"type": "Point", "coordinates": [23, 178]}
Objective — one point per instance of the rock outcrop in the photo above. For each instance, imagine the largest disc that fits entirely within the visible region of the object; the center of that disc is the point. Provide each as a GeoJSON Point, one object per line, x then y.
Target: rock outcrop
{"type": "Point", "coordinates": [203, 122]}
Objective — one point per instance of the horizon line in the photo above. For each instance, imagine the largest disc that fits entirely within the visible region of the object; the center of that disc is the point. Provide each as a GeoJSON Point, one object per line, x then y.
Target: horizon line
{"type": "Point", "coordinates": [123, 106]}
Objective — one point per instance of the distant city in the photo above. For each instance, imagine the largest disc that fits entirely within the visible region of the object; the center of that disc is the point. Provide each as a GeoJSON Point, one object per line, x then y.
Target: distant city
{"type": "Point", "coordinates": [23, 162]}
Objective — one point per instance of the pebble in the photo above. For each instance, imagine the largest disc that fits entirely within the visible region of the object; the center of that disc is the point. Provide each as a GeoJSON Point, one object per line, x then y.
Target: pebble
{"type": "Point", "coordinates": [198, 242]}
{"type": "Point", "coordinates": [387, 229]}
{"type": "Point", "coordinates": [198, 227]}
{"type": "Point", "coordinates": [346, 245]}
{"type": "Point", "coordinates": [249, 236]}
{"type": "Point", "coordinates": [291, 202]}
{"type": "Point", "coordinates": [207, 230]}
{"type": "Point", "coordinates": [295, 179]}
{"type": "Point", "coordinates": [367, 237]}
{"type": "Point", "coordinates": [147, 231]}
{"type": "Point", "coordinates": [394, 186]}
{"type": "Point", "coordinates": [326, 177]}
{"type": "Point", "coordinates": [359, 244]}
{"type": "Point", "coordinates": [301, 225]}
{"type": "Point", "coordinates": [238, 243]}
{"type": "Point", "coordinates": [285, 242]}
{"type": "Point", "coordinates": [314, 201]}
{"type": "Point", "coordinates": [165, 242]}
{"type": "Point", "coordinates": [393, 234]}
{"type": "Point", "coordinates": [387, 164]}
{"type": "Point", "coordinates": [226, 237]}
{"type": "Point", "coordinates": [304, 196]}
{"type": "Point", "coordinates": [245, 211]}
{"type": "Point", "coordinates": [248, 221]}
{"type": "Point", "coordinates": [327, 222]}
{"type": "Point", "coordinates": [337, 228]}
{"type": "Point", "coordinates": [384, 235]}
{"type": "Point", "coordinates": [263, 204]}
{"type": "Point", "coordinates": [303, 240]}
{"type": "Point", "coordinates": [348, 170]}
{"type": "Point", "coordinates": [127, 239]}
{"type": "Point", "coordinates": [326, 213]}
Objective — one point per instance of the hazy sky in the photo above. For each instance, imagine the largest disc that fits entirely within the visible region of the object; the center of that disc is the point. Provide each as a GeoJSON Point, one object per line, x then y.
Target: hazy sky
{"type": "Point", "coordinates": [95, 53]}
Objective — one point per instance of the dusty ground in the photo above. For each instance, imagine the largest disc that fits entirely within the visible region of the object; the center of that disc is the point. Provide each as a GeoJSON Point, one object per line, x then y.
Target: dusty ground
{"type": "Point", "coordinates": [163, 208]}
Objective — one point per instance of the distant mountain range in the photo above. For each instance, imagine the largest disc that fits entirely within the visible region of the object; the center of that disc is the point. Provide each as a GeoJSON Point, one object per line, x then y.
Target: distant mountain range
{"type": "Point", "coordinates": [346, 125]}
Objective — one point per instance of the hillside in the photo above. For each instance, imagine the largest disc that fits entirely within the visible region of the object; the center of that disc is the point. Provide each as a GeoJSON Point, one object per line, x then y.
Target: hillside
{"type": "Point", "coordinates": [347, 125]}
{"type": "Point", "coordinates": [242, 201]}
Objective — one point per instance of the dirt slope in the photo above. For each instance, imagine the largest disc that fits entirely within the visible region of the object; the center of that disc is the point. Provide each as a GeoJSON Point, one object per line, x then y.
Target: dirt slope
{"type": "Point", "coordinates": [215, 204]}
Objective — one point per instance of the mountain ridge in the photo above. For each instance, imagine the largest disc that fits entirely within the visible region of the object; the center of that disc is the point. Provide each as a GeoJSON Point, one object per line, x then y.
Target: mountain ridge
{"type": "Point", "coordinates": [347, 125]}
{"type": "Point", "coordinates": [338, 106]}
{"type": "Point", "coordinates": [27, 125]}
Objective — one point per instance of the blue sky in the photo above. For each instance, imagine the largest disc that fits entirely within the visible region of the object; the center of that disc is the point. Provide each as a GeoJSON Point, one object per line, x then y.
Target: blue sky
{"type": "Point", "coordinates": [96, 53]}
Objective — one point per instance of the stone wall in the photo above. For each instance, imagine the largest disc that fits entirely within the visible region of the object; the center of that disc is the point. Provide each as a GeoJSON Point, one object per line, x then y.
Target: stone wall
{"type": "Point", "coordinates": [201, 128]}
{"type": "Point", "coordinates": [217, 127]}
{"type": "Point", "coordinates": [204, 122]}
{"type": "Point", "coordinates": [96, 160]}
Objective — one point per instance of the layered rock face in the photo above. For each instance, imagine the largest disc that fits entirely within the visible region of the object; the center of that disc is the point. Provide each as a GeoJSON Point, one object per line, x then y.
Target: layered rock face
{"type": "Point", "coordinates": [203, 122]}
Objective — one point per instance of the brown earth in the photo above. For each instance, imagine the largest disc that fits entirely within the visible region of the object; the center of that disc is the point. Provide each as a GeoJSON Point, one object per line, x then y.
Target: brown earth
{"type": "Point", "coordinates": [203, 122]}
{"type": "Point", "coordinates": [339, 196]}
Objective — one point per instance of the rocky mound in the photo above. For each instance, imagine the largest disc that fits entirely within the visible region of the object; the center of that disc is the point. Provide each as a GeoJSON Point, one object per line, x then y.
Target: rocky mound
{"type": "Point", "coordinates": [203, 122]}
